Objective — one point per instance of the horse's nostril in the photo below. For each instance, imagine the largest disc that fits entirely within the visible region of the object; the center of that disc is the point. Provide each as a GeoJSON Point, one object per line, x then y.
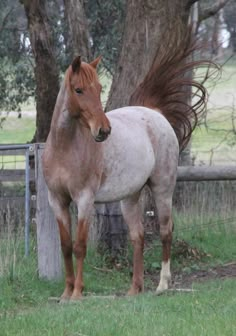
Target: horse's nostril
{"type": "Point", "coordinates": [101, 132]}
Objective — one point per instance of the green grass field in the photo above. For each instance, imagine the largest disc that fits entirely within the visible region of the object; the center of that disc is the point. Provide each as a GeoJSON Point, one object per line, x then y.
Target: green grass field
{"type": "Point", "coordinates": [25, 308]}
{"type": "Point", "coordinates": [16, 130]}
{"type": "Point", "coordinates": [210, 312]}
{"type": "Point", "coordinates": [215, 140]}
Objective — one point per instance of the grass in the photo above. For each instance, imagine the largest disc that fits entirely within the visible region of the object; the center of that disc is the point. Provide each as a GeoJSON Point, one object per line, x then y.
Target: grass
{"type": "Point", "coordinates": [215, 142]}
{"type": "Point", "coordinates": [16, 131]}
{"type": "Point", "coordinates": [210, 310]}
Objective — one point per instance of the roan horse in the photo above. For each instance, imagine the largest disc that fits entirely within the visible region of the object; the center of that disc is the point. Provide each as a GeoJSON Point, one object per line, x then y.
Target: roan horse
{"type": "Point", "coordinates": [92, 157]}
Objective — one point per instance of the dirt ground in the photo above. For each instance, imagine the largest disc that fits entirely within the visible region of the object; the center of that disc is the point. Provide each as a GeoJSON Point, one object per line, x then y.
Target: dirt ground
{"type": "Point", "coordinates": [183, 280]}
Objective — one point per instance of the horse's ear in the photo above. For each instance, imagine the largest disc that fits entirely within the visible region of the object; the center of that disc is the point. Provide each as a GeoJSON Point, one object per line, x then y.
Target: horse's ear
{"type": "Point", "coordinates": [94, 63]}
{"type": "Point", "coordinates": [76, 64]}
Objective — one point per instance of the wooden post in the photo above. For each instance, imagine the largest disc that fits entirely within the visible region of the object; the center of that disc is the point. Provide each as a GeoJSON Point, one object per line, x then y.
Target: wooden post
{"type": "Point", "coordinates": [48, 242]}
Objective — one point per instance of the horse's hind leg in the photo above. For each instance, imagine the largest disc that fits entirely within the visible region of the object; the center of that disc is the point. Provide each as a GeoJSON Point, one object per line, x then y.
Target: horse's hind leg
{"type": "Point", "coordinates": [162, 192]}
{"type": "Point", "coordinates": [133, 217]}
{"type": "Point", "coordinates": [64, 224]}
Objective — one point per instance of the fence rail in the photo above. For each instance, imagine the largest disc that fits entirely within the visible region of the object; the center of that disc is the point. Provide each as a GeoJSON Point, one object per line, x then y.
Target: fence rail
{"type": "Point", "coordinates": [185, 174]}
{"type": "Point", "coordinates": [206, 173]}
{"type": "Point", "coordinates": [15, 175]}
{"type": "Point", "coordinates": [47, 232]}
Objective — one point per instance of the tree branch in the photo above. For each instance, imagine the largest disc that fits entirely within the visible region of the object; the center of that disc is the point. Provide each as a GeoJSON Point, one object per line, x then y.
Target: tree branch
{"type": "Point", "coordinates": [208, 12]}
{"type": "Point", "coordinates": [189, 4]}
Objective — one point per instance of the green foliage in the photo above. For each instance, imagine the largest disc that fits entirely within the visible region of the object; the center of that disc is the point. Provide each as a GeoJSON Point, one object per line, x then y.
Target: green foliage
{"type": "Point", "coordinates": [60, 31]}
{"type": "Point", "coordinates": [16, 70]}
{"type": "Point", "coordinates": [16, 82]}
{"type": "Point", "coordinates": [106, 21]}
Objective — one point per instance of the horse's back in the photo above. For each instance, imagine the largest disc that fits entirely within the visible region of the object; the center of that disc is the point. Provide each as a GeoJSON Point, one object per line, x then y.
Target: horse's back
{"type": "Point", "coordinates": [139, 117]}
{"type": "Point", "coordinates": [145, 126]}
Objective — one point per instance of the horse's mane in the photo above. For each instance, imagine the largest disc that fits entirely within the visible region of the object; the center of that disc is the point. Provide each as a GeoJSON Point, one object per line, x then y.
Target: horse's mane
{"type": "Point", "coordinates": [169, 83]}
{"type": "Point", "coordinates": [86, 75]}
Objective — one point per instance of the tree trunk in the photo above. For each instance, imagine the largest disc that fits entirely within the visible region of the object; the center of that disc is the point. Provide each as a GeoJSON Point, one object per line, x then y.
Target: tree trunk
{"type": "Point", "coordinates": [78, 27]}
{"type": "Point", "coordinates": [46, 72]}
{"type": "Point", "coordinates": [145, 26]}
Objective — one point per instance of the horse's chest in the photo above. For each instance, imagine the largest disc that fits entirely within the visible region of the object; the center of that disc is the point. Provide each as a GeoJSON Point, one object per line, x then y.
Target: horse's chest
{"type": "Point", "coordinates": [71, 176]}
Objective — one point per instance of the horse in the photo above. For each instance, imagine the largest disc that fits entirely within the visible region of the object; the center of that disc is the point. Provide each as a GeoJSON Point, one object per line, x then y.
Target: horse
{"type": "Point", "coordinates": [91, 156]}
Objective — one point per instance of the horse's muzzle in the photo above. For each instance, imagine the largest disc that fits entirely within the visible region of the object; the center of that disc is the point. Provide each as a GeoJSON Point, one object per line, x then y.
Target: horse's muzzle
{"type": "Point", "coordinates": [102, 134]}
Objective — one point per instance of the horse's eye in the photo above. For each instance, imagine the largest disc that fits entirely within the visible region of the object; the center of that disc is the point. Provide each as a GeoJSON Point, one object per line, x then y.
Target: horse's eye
{"type": "Point", "coordinates": [79, 91]}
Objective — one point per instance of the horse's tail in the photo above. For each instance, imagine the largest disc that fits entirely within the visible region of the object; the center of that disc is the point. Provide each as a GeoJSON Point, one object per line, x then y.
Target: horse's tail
{"type": "Point", "coordinates": [169, 83]}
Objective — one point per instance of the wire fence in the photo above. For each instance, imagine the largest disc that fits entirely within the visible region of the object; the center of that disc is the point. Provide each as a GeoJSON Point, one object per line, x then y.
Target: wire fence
{"type": "Point", "coordinates": [197, 205]}
{"type": "Point", "coordinates": [15, 179]}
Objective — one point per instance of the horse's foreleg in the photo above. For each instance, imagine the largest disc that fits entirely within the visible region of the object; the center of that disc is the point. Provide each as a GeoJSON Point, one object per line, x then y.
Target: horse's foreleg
{"type": "Point", "coordinates": [79, 248]}
{"type": "Point", "coordinates": [66, 246]}
{"type": "Point", "coordinates": [64, 224]}
{"type": "Point", "coordinates": [84, 203]}
{"type": "Point", "coordinates": [133, 217]}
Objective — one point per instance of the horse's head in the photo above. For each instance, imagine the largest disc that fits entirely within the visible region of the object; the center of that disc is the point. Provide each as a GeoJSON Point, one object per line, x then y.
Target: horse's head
{"type": "Point", "coordinates": [84, 98]}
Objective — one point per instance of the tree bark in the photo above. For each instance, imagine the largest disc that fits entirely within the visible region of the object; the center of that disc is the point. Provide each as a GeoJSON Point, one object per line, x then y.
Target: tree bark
{"type": "Point", "coordinates": [78, 27]}
{"type": "Point", "coordinates": [46, 72]}
{"type": "Point", "coordinates": [145, 25]}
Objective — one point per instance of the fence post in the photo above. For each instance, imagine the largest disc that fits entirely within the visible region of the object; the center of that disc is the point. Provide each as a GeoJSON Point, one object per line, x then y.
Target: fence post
{"type": "Point", "coordinates": [48, 243]}
{"type": "Point", "coordinates": [27, 202]}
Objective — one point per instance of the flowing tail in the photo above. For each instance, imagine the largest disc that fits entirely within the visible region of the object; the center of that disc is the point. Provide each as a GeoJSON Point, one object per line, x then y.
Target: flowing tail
{"type": "Point", "coordinates": [170, 88]}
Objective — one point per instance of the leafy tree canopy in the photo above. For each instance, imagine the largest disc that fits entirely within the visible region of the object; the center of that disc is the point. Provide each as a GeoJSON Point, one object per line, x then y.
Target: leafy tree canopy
{"type": "Point", "coordinates": [16, 71]}
{"type": "Point", "coordinates": [106, 19]}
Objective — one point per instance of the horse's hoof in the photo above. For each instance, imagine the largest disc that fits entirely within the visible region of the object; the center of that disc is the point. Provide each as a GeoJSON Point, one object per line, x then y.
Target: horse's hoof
{"type": "Point", "coordinates": [65, 297]}
{"type": "Point", "coordinates": [161, 290]}
{"type": "Point", "coordinates": [76, 296]}
{"type": "Point", "coordinates": [75, 299]}
{"type": "Point", "coordinates": [134, 291]}
{"type": "Point", "coordinates": [64, 300]}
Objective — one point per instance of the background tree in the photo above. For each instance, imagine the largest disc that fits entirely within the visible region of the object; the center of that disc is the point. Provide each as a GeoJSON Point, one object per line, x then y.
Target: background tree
{"type": "Point", "coordinates": [106, 22]}
{"type": "Point", "coordinates": [46, 71]}
{"type": "Point", "coordinates": [16, 72]}
{"type": "Point", "coordinates": [230, 19]}
{"type": "Point", "coordinates": [145, 25]}
{"type": "Point", "coordinates": [79, 37]}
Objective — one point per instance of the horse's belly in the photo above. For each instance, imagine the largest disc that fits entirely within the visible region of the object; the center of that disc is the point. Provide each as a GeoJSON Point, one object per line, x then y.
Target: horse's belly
{"type": "Point", "coordinates": [126, 170]}
{"type": "Point", "coordinates": [120, 187]}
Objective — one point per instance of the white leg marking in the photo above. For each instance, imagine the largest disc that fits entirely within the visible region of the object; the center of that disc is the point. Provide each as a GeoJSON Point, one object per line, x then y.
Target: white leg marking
{"type": "Point", "coordinates": [165, 277]}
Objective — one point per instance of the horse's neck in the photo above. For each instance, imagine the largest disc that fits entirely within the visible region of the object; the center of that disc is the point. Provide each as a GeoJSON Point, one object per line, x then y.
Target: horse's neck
{"type": "Point", "coordinates": [63, 126]}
